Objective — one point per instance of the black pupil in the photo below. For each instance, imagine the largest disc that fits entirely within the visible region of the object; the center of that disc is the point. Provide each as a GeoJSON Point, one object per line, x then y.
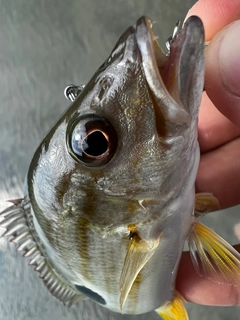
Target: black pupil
{"type": "Point", "coordinates": [95, 144]}
{"type": "Point", "coordinates": [92, 140]}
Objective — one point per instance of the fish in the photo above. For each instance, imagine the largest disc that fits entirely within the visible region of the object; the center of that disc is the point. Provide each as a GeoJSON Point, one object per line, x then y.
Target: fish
{"type": "Point", "coordinates": [109, 199]}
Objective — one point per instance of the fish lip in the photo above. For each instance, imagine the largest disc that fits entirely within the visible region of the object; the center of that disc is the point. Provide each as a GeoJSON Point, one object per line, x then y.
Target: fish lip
{"type": "Point", "coordinates": [172, 118]}
{"type": "Point", "coordinates": [146, 41]}
{"type": "Point", "coordinates": [148, 47]}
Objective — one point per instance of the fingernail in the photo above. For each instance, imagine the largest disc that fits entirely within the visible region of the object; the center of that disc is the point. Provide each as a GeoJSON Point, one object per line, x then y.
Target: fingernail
{"type": "Point", "coordinates": [229, 58]}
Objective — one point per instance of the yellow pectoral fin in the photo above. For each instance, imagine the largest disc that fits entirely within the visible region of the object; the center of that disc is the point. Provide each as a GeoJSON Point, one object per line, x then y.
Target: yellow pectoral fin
{"type": "Point", "coordinates": [174, 310]}
{"type": "Point", "coordinates": [212, 256]}
{"type": "Point", "coordinates": [138, 254]}
{"type": "Point", "coordinates": [204, 203]}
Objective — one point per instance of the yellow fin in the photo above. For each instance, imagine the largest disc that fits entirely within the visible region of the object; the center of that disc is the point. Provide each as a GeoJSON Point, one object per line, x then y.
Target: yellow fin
{"type": "Point", "coordinates": [204, 203]}
{"type": "Point", "coordinates": [138, 254]}
{"type": "Point", "coordinates": [174, 310]}
{"type": "Point", "coordinates": [212, 256]}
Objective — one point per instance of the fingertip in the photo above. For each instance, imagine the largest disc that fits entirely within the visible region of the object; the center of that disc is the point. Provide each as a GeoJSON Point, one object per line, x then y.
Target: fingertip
{"type": "Point", "coordinates": [215, 14]}
{"type": "Point", "coordinates": [229, 58]}
{"type": "Point", "coordinates": [211, 124]}
{"type": "Point", "coordinates": [219, 174]}
{"type": "Point", "coordinates": [223, 71]}
{"type": "Point", "coordinates": [197, 289]}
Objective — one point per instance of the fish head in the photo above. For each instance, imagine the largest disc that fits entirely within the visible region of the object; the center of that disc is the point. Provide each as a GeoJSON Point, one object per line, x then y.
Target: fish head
{"type": "Point", "coordinates": [126, 133]}
{"type": "Point", "coordinates": [123, 151]}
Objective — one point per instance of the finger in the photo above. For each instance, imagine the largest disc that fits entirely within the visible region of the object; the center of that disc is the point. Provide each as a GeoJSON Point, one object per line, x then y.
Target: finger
{"type": "Point", "coordinates": [223, 72]}
{"type": "Point", "coordinates": [219, 174]}
{"type": "Point", "coordinates": [212, 124]}
{"type": "Point", "coordinates": [215, 14]}
{"type": "Point", "coordinates": [197, 289]}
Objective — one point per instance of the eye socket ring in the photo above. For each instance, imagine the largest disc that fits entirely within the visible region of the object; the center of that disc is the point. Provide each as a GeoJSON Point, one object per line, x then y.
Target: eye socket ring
{"type": "Point", "coordinates": [92, 140]}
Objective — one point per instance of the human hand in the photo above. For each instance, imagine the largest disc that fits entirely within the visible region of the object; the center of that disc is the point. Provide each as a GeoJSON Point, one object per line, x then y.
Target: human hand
{"type": "Point", "coordinates": [219, 135]}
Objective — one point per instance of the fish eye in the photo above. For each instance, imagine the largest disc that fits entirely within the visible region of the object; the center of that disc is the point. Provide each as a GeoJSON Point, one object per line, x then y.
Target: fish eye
{"type": "Point", "coordinates": [92, 140]}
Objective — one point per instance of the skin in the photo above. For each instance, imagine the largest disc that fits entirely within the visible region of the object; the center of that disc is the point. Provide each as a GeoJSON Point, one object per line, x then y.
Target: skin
{"type": "Point", "coordinates": [219, 136]}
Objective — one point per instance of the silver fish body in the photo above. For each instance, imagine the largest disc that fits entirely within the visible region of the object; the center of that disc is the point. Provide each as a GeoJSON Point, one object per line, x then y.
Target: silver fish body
{"type": "Point", "coordinates": [110, 190]}
{"type": "Point", "coordinates": [84, 214]}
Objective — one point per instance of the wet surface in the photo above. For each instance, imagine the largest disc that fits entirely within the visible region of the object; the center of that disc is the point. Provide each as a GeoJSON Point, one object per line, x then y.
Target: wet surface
{"type": "Point", "coordinates": [44, 46]}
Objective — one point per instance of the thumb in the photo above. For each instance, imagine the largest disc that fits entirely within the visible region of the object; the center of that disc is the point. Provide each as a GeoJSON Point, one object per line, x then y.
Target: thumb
{"type": "Point", "coordinates": [215, 14]}
{"type": "Point", "coordinates": [222, 79]}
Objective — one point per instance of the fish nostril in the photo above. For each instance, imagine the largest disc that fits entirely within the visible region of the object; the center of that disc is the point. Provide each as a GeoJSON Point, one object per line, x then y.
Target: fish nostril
{"type": "Point", "coordinates": [91, 294]}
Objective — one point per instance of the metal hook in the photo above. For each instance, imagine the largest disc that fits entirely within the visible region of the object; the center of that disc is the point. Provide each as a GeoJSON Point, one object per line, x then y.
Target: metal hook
{"type": "Point", "coordinates": [176, 31]}
{"type": "Point", "coordinates": [71, 92]}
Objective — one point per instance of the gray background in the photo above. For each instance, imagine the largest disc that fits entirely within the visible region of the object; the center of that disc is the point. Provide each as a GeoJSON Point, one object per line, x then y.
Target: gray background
{"type": "Point", "coordinates": [44, 46]}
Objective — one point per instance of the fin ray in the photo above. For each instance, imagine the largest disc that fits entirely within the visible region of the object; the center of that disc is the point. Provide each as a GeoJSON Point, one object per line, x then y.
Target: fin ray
{"type": "Point", "coordinates": [17, 222]}
{"type": "Point", "coordinates": [212, 256]}
{"type": "Point", "coordinates": [205, 203]}
{"type": "Point", "coordinates": [138, 254]}
{"type": "Point", "coordinates": [174, 310]}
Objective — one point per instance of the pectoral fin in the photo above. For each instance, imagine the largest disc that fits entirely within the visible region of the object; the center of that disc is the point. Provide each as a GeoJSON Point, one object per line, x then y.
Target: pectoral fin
{"type": "Point", "coordinates": [174, 310]}
{"type": "Point", "coordinates": [212, 256]}
{"type": "Point", "coordinates": [204, 203]}
{"type": "Point", "coordinates": [138, 254]}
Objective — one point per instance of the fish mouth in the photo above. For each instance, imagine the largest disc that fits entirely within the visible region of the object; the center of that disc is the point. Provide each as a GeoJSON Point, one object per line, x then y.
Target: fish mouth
{"type": "Point", "coordinates": [160, 78]}
{"type": "Point", "coordinates": [168, 76]}
{"type": "Point", "coordinates": [148, 45]}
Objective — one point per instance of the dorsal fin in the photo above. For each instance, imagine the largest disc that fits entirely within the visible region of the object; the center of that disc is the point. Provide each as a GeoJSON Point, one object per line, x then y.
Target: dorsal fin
{"type": "Point", "coordinates": [17, 221]}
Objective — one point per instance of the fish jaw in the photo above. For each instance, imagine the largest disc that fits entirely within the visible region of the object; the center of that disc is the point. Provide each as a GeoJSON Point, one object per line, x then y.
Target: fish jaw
{"type": "Point", "coordinates": [176, 101]}
{"type": "Point", "coordinates": [169, 109]}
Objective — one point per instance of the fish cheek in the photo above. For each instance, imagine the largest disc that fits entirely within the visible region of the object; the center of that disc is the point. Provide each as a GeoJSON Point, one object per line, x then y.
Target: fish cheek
{"type": "Point", "coordinates": [74, 236]}
{"type": "Point", "coordinates": [62, 187]}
